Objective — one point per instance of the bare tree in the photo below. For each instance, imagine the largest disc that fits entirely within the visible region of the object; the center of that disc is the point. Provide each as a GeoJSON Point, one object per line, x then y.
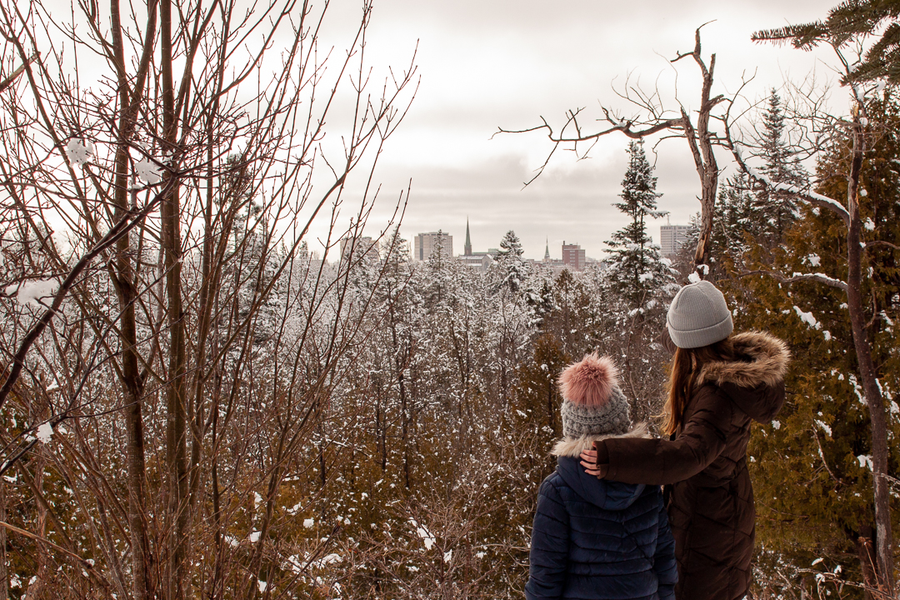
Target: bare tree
{"type": "Point", "coordinates": [651, 118]}
{"type": "Point", "coordinates": [176, 158]}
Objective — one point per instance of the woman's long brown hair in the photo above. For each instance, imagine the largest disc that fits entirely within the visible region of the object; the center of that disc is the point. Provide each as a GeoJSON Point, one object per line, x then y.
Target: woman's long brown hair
{"type": "Point", "coordinates": [686, 366]}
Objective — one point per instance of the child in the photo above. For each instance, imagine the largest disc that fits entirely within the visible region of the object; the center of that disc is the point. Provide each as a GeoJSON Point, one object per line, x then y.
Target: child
{"type": "Point", "coordinates": [596, 539]}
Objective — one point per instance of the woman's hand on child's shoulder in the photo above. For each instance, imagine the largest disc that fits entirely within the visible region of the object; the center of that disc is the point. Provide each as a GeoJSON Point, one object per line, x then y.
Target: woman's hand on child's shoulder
{"type": "Point", "coordinates": [589, 462]}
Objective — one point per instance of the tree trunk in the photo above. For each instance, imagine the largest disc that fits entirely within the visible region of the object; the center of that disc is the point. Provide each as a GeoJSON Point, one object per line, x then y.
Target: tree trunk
{"type": "Point", "coordinates": [176, 408]}
{"type": "Point", "coordinates": [4, 572]}
{"type": "Point", "coordinates": [883, 535]}
{"type": "Point", "coordinates": [123, 279]}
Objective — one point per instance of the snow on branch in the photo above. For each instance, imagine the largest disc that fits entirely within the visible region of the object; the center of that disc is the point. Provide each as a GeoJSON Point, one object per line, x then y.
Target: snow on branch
{"type": "Point", "coordinates": [796, 191]}
{"type": "Point", "coordinates": [817, 277]}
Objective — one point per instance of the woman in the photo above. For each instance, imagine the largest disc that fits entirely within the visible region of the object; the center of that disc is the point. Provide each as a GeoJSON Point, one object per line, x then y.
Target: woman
{"type": "Point", "coordinates": [719, 383]}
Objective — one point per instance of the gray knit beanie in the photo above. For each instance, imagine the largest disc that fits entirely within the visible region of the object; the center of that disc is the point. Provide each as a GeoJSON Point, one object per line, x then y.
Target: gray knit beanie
{"type": "Point", "coordinates": [698, 316]}
{"type": "Point", "coordinates": [593, 404]}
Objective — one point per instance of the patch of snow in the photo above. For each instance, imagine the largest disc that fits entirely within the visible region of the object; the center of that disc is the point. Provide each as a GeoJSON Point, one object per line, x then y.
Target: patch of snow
{"type": "Point", "coordinates": [824, 427]}
{"type": "Point", "coordinates": [147, 171]}
{"type": "Point", "coordinates": [79, 152]}
{"type": "Point", "coordinates": [308, 523]}
{"type": "Point", "coordinates": [326, 560]}
{"type": "Point", "coordinates": [808, 318]}
{"type": "Point", "coordinates": [422, 532]}
{"type": "Point", "coordinates": [45, 433]}
{"type": "Point", "coordinates": [865, 461]}
{"type": "Point", "coordinates": [254, 536]}
{"type": "Point", "coordinates": [33, 292]}
{"type": "Point", "coordinates": [776, 424]}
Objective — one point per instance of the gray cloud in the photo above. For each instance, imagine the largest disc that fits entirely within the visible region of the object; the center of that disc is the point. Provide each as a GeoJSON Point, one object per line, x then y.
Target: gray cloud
{"type": "Point", "coordinates": [508, 62]}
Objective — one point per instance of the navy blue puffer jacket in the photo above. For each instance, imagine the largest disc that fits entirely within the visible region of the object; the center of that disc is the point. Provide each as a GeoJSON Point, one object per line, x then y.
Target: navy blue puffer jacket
{"type": "Point", "coordinates": [599, 540]}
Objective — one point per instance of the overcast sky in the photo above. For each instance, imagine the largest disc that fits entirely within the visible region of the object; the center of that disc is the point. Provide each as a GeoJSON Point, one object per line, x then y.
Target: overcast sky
{"type": "Point", "coordinates": [486, 64]}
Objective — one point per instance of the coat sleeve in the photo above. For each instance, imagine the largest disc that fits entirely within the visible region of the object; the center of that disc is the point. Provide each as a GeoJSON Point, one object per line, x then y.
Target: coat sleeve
{"type": "Point", "coordinates": [664, 561]}
{"type": "Point", "coordinates": [660, 462]}
{"type": "Point", "coordinates": [549, 546]}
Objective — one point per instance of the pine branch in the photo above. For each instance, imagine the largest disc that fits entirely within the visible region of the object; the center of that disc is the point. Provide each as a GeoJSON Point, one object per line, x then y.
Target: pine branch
{"type": "Point", "coordinates": [816, 277]}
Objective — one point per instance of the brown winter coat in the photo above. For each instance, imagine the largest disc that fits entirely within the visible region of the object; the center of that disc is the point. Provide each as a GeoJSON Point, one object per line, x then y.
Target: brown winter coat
{"type": "Point", "coordinates": [711, 509]}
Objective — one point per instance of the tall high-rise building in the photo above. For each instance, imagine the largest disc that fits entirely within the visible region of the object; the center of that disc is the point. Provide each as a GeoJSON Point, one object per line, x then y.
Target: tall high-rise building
{"type": "Point", "coordinates": [573, 256]}
{"type": "Point", "coordinates": [425, 243]}
{"type": "Point", "coordinates": [671, 237]}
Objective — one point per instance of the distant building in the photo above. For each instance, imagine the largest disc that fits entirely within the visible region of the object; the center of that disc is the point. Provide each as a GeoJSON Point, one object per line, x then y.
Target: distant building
{"type": "Point", "coordinates": [671, 238]}
{"type": "Point", "coordinates": [554, 265]}
{"type": "Point", "coordinates": [479, 260]}
{"type": "Point", "coordinates": [573, 256]}
{"type": "Point", "coordinates": [425, 243]}
{"type": "Point", "coordinates": [361, 246]}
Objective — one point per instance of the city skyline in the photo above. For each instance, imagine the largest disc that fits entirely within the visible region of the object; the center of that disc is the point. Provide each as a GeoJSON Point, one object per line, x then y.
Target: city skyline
{"type": "Point", "coordinates": [480, 74]}
{"type": "Point", "coordinates": [537, 255]}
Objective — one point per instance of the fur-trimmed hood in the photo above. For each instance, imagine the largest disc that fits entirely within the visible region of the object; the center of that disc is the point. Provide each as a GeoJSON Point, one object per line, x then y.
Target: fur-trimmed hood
{"type": "Point", "coordinates": [762, 362]}
{"type": "Point", "coordinates": [574, 446]}
{"type": "Point", "coordinates": [767, 362]}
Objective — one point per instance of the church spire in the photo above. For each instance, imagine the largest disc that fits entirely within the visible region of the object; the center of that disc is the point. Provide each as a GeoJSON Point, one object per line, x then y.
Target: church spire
{"type": "Point", "coordinates": [468, 247]}
{"type": "Point", "coordinates": [547, 249]}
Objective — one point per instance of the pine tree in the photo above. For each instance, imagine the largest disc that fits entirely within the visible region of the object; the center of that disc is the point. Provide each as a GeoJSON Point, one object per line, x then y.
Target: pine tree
{"type": "Point", "coordinates": [635, 267]}
{"type": "Point", "coordinates": [512, 268]}
{"type": "Point", "coordinates": [635, 289]}
{"type": "Point", "coordinates": [760, 218]}
{"type": "Point", "coordinates": [847, 23]}
{"type": "Point", "coordinates": [813, 468]}
{"type": "Point", "coordinates": [773, 213]}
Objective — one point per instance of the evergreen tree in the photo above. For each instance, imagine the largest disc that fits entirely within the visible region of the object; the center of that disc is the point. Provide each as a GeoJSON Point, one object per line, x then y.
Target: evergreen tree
{"type": "Point", "coordinates": [847, 23]}
{"type": "Point", "coordinates": [635, 267]}
{"type": "Point", "coordinates": [772, 213]}
{"type": "Point", "coordinates": [512, 268]}
{"type": "Point", "coordinates": [760, 218]}
{"type": "Point", "coordinates": [813, 466]}
{"type": "Point", "coordinates": [635, 290]}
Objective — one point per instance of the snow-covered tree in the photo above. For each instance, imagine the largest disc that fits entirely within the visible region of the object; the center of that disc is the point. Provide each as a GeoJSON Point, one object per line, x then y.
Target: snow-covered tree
{"type": "Point", "coordinates": [635, 269]}
{"type": "Point", "coordinates": [513, 270]}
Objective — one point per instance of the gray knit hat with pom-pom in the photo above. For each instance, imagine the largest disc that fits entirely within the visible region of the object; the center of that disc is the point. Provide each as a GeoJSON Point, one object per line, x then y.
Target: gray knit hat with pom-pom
{"type": "Point", "coordinates": [593, 404]}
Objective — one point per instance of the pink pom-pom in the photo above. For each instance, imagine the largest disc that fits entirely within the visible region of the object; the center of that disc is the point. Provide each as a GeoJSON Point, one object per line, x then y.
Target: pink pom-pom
{"type": "Point", "coordinates": [590, 381]}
